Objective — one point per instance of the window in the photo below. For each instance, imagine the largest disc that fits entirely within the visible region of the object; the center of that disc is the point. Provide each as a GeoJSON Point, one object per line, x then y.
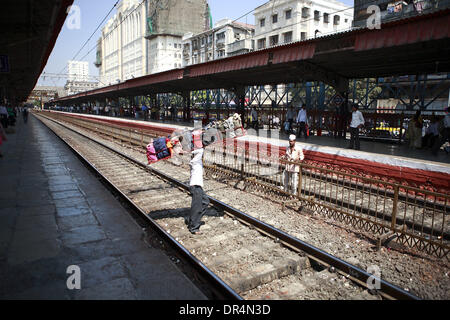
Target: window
{"type": "Point", "coordinates": [287, 37]}
{"type": "Point", "coordinates": [317, 15]}
{"type": "Point", "coordinates": [275, 18]}
{"type": "Point", "coordinates": [303, 36]}
{"type": "Point", "coordinates": [288, 14]}
{"type": "Point", "coordinates": [305, 12]}
{"type": "Point", "coordinates": [262, 22]}
{"type": "Point", "coordinates": [262, 43]}
{"type": "Point", "coordinates": [326, 18]}
{"type": "Point", "coordinates": [337, 20]}
{"type": "Point", "coordinates": [274, 40]}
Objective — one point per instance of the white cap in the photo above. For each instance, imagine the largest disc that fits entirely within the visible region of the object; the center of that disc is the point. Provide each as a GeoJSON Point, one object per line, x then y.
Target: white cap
{"type": "Point", "coordinates": [292, 137]}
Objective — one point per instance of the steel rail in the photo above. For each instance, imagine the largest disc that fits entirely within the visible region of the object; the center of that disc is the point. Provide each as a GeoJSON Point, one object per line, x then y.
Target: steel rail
{"type": "Point", "coordinates": [356, 274]}
{"type": "Point", "coordinates": [386, 217]}
{"type": "Point", "coordinates": [221, 289]}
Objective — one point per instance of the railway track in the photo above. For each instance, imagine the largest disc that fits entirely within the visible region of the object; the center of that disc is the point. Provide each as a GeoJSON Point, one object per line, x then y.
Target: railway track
{"type": "Point", "coordinates": [236, 253]}
{"type": "Point", "coordinates": [420, 221]}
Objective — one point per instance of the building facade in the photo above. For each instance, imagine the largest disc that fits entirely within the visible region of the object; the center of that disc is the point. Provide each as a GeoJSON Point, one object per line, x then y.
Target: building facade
{"type": "Point", "coordinates": [284, 21]}
{"type": "Point", "coordinates": [78, 70]}
{"type": "Point", "coordinates": [167, 22]}
{"type": "Point", "coordinates": [227, 38]}
{"type": "Point", "coordinates": [121, 53]}
{"type": "Point", "coordinates": [145, 37]}
{"type": "Point", "coordinates": [74, 87]}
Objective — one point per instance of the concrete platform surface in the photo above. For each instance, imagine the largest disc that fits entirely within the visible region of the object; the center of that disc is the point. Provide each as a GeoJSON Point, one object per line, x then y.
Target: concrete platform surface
{"type": "Point", "coordinates": [54, 214]}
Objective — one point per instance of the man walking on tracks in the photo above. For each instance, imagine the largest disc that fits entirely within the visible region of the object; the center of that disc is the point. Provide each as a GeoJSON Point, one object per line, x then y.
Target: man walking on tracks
{"type": "Point", "coordinates": [200, 200]}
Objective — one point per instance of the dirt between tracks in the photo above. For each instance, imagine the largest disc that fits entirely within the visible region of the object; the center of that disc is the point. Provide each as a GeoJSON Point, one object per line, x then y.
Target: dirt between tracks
{"type": "Point", "coordinates": [425, 276]}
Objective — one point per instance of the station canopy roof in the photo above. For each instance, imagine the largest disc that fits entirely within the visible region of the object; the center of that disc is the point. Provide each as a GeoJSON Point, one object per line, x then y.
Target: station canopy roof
{"type": "Point", "coordinates": [417, 45]}
{"type": "Point", "coordinates": [29, 32]}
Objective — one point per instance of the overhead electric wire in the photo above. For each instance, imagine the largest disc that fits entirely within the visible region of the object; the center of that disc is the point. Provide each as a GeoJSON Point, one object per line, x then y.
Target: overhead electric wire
{"type": "Point", "coordinates": [98, 27]}
{"type": "Point", "coordinates": [142, 2]}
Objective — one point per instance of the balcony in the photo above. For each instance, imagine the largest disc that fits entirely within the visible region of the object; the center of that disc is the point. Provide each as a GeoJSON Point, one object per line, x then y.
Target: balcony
{"type": "Point", "coordinates": [240, 46]}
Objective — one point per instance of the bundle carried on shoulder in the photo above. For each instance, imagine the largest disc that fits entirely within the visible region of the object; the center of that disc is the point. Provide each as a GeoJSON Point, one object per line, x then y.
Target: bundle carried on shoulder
{"type": "Point", "coordinates": [160, 149]}
{"type": "Point", "coordinates": [190, 140]}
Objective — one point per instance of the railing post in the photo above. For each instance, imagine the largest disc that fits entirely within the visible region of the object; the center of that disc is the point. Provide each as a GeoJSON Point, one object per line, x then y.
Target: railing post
{"type": "Point", "coordinates": [395, 207]}
{"type": "Point", "coordinates": [300, 176]}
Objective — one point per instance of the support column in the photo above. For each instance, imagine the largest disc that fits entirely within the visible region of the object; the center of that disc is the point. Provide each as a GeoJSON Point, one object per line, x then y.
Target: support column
{"type": "Point", "coordinates": [343, 88]}
{"type": "Point", "coordinates": [240, 95]}
{"type": "Point", "coordinates": [187, 106]}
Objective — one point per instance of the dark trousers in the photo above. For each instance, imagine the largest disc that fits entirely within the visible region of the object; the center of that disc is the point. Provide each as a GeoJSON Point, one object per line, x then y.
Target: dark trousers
{"type": "Point", "coordinates": [445, 136]}
{"type": "Point", "coordinates": [200, 203]}
{"type": "Point", "coordinates": [354, 138]}
{"type": "Point", "coordinates": [302, 128]}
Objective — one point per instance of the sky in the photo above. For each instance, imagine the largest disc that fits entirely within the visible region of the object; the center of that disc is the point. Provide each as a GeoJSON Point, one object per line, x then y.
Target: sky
{"type": "Point", "coordinates": [76, 31]}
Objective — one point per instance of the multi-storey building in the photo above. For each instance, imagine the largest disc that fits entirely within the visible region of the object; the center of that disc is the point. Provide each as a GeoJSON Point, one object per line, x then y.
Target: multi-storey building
{"type": "Point", "coordinates": [78, 70]}
{"type": "Point", "coordinates": [78, 78]}
{"type": "Point", "coordinates": [145, 37]}
{"type": "Point", "coordinates": [167, 22]}
{"type": "Point", "coordinates": [284, 21]}
{"type": "Point", "coordinates": [227, 38]}
{"type": "Point", "coordinates": [74, 87]}
{"type": "Point", "coordinates": [121, 53]}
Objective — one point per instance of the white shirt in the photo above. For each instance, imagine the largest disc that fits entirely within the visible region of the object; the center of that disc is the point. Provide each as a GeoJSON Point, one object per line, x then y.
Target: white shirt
{"type": "Point", "coordinates": [197, 168]}
{"type": "Point", "coordinates": [302, 116]}
{"type": "Point", "coordinates": [357, 119]}
{"type": "Point", "coordinates": [294, 155]}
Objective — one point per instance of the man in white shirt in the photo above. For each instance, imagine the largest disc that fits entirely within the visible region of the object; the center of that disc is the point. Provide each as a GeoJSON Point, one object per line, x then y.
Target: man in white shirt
{"type": "Point", "coordinates": [294, 153]}
{"type": "Point", "coordinates": [302, 121]}
{"type": "Point", "coordinates": [200, 200]}
{"type": "Point", "coordinates": [356, 124]}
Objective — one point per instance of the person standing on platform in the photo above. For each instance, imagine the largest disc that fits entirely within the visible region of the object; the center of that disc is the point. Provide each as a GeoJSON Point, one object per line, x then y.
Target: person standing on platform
{"type": "Point", "coordinates": [2, 138]}
{"type": "Point", "coordinates": [200, 200]}
{"type": "Point", "coordinates": [302, 122]}
{"type": "Point", "coordinates": [254, 118]}
{"type": "Point", "coordinates": [356, 124]}
{"type": "Point", "coordinates": [289, 119]}
{"type": "Point", "coordinates": [4, 116]}
{"type": "Point", "coordinates": [444, 133]}
{"type": "Point", "coordinates": [25, 115]}
{"type": "Point", "coordinates": [415, 131]}
{"type": "Point", "coordinates": [294, 153]}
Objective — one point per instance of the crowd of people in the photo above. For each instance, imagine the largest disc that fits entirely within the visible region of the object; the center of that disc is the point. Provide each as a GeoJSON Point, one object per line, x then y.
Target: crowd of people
{"type": "Point", "coordinates": [8, 119]}
{"type": "Point", "coordinates": [433, 136]}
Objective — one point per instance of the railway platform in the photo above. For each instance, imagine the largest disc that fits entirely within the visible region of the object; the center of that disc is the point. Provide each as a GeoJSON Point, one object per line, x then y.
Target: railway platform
{"type": "Point", "coordinates": [54, 214]}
